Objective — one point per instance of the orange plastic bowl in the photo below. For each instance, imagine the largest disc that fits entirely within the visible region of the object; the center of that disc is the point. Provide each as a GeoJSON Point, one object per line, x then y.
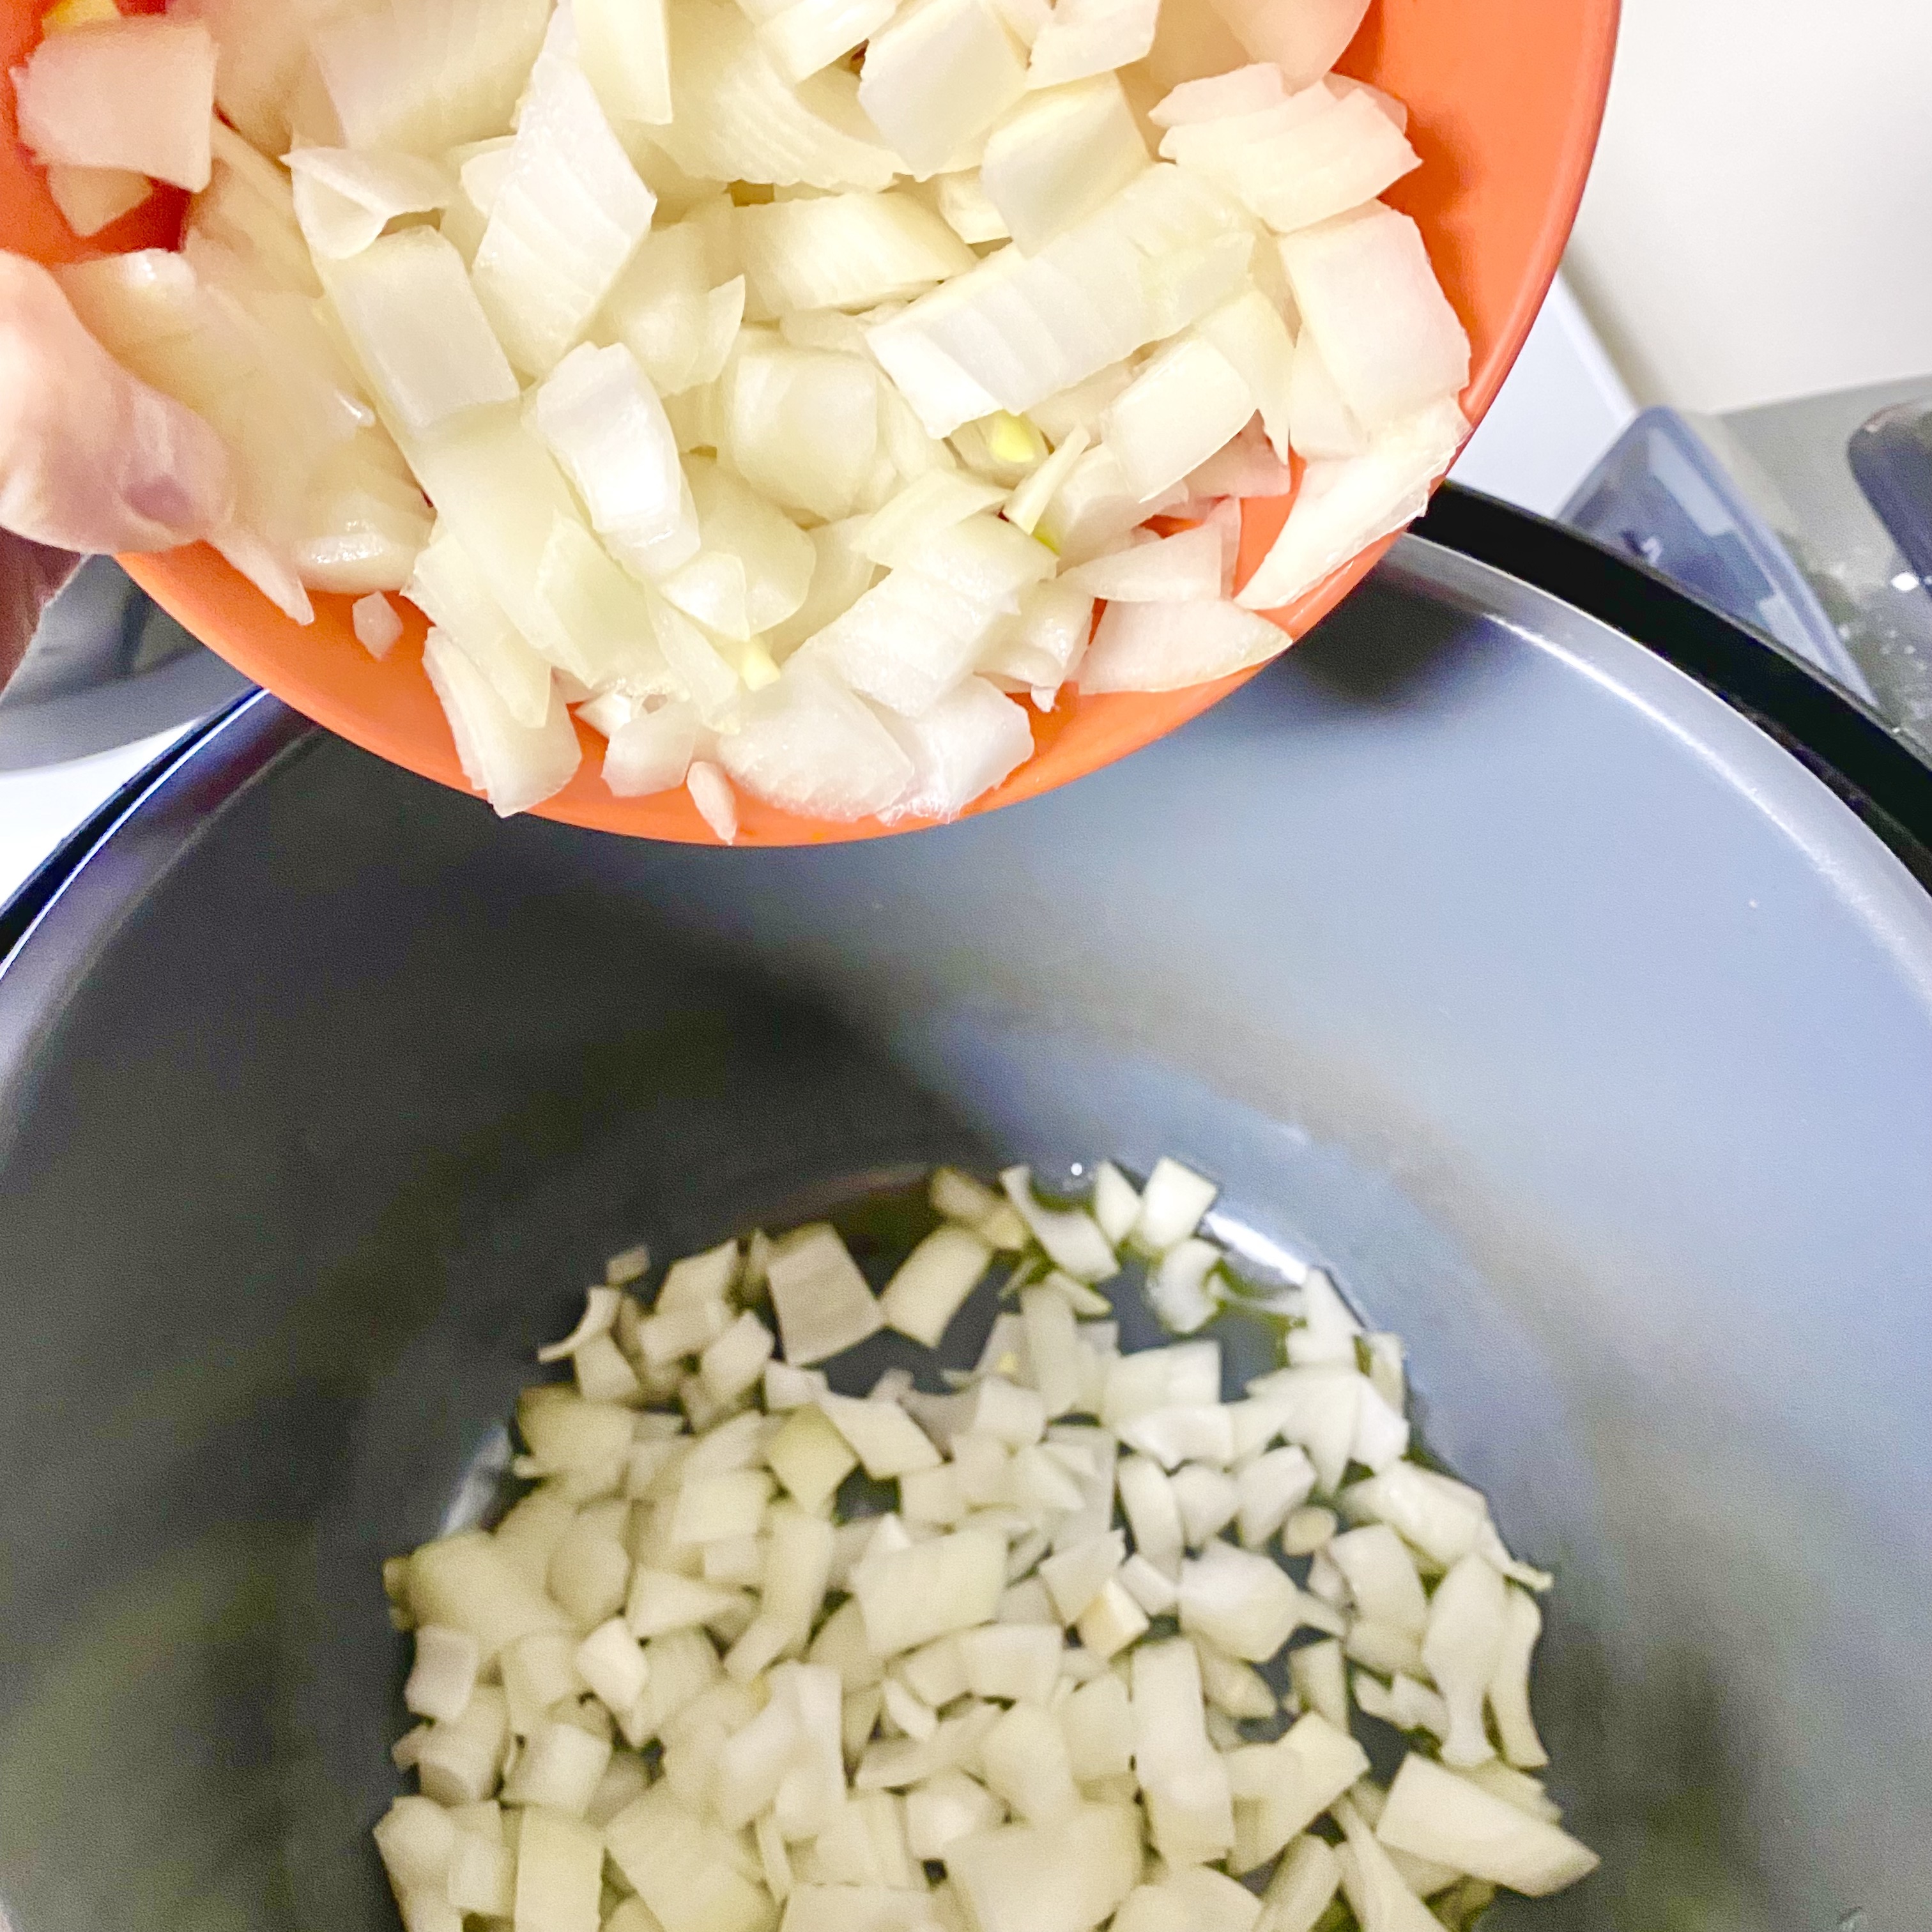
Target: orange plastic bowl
{"type": "Point", "coordinates": [1505, 97]}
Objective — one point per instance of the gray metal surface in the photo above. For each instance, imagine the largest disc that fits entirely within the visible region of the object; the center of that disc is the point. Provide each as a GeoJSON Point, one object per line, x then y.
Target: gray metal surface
{"type": "Point", "coordinates": [106, 668]}
{"type": "Point", "coordinates": [1480, 955]}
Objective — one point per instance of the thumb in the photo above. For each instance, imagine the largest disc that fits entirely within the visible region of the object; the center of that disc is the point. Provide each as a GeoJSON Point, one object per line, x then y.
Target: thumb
{"type": "Point", "coordinates": [91, 459]}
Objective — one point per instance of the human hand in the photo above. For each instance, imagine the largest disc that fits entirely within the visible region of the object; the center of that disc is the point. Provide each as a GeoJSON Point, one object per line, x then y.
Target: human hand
{"type": "Point", "coordinates": [91, 459]}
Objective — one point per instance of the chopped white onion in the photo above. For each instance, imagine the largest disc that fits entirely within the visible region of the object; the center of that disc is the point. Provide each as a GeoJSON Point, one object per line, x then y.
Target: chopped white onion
{"type": "Point", "coordinates": [344, 199]}
{"type": "Point", "coordinates": [1187, 403]}
{"type": "Point", "coordinates": [444, 587]}
{"type": "Point", "coordinates": [736, 119]}
{"type": "Point", "coordinates": [604, 424]}
{"type": "Point", "coordinates": [514, 765]}
{"type": "Point", "coordinates": [1058, 157]}
{"type": "Point", "coordinates": [626, 49]}
{"type": "Point", "coordinates": [960, 747]}
{"type": "Point", "coordinates": [1322, 427]}
{"type": "Point", "coordinates": [846, 250]}
{"type": "Point", "coordinates": [570, 214]}
{"type": "Point", "coordinates": [939, 76]}
{"type": "Point", "coordinates": [1366, 291]}
{"type": "Point", "coordinates": [1432, 1813]}
{"type": "Point", "coordinates": [807, 744]}
{"type": "Point", "coordinates": [1090, 36]}
{"type": "Point", "coordinates": [807, 35]}
{"type": "Point", "coordinates": [376, 625]}
{"type": "Point", "coordinates": [428, 75]}
{"type": "Point", "coordinates": [136, 94]}
{"type": "Point", "coordinates": [652, 751]}
{"type": "Point", "coordinates": [1303, 41]}
{"type": "Point", "coordinates": [1168, 646]}
{"type": "Point", "coordinates": [1344, 506]}
{"type": "Point", "coordinates": [92, 199]}
{"type": "Point", "coordinates": [801, 426]}
{"type": "Point", "coordinates": [417, 328]}
{"type": "Point", "coordinates": [1216, 96]}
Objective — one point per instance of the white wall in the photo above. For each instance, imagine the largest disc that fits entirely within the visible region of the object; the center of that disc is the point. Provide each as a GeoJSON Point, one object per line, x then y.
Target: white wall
{"type": "Point", "coordinates": [1759, 225]}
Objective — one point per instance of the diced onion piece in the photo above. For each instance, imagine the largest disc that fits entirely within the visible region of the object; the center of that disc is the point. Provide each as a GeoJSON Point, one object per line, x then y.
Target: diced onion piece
{"type": "Point", "coordinates": [960, 746]}
{"type": "Point", "coordinates": [823, 1304]}
{"type": "Point", "coordinates": [840, 575]}
{"type": "Point", "coordinates": [1187, 403]}
{"type": "Point", "coordinates": [1172, 570]}
{"type": "Point", "coordinates": [1341, 508]}
{"type": "Point", "coordinates": [909, 1597]}
{"type": "Point", "coordinates": [906, 643]}
{"type": "Point", "coordinates": [444, 1677]}
{"type": "Point", "coordinates": [344, 199]}
{"type": "Point", "coordinates": [414, 321]}
{"type": "Point", "coordinates": [136, 94]}
{"type": "Point", "coordinates": [1090, 37]}
{"type": "Point", "coordinates": [771, 558]}
{"type": "Point", "coordinates": [92, 199]}
{"type": "Point", "coordinates": [939, 75]}
{"type": "Point", "coordinates": [810, 1457]}
{"type": "Point", "coordinates": [945, 1809]}
{"type": "Point", "coordinates": [262, 53]}
{"type": "Point", "coordinates": [1382, 1578]}
{"type": "Point", "coordinates": [680, 328]}
{"type": "Point", "coordinates": [600, 627]}
{"type": "Point", "coordinates": [445, 585]}
{"type": "Point", "coordinates": [468, 1583]}
{"type": "Point", "coordinates": [735, 119]}
{"type": "Point", "coordinates": [604, 424]}
{"type": "Point", "coordinates": [1172, 1205]}
{"type": "Point", "coordinates": [1190, 1809]}
{"type": "Point", "coordinates": [1168, 646]}
{"type": "Point", "coordinates": [807, 35]}
{"type": "Point", "coordinates": [1377, 1892]}
{"type": "Point", "coordinates": [1322, 426]}
{"type": "Point", "coordinates": [514, 765]}
{"type": "Point", "coordinates": [1509, 1687]}
{"type": "Point", "coordinates": [1463, 1647]}
{"type": "Point", "coordinates": [652, 753]}
{"type": "Point", "coordinates": [415, 1839]}
{"type": "Point", "coordinates": [1182, 1290]}
{"type": "Point", "coordinates": [1247, 90]}
{"type": "Point", "coordinates": [1244, 1602]}
{"type": "Point", "coordinates": [1024, 1755]}
{"type": "Point", "coordinates": [928, 505]}
{"type": "Point", "coordinates": [1250, 333]}
{"type": "Point", "coordinates": [801, 426]}
{"type": "Point", "coordinates": [1059, 156]}
{"type": "Point", "coordinates": [1305, 1882]}
{"type": "Point", "coordinates": [886, 1441]}
{"type": "Point", "coordinates": [1029, 500]}
{"type": "Point", "coordinates": [684, 1867]}
{"type": "Point", "coordinates": [570, 214]}
{"type": "Point", "coordinates": [1065, 1877]}
{"type": "Point", "coordinates": [807, 745]}
{"type": "Point", "coordinates": [846, 250]}
{"type": "Point", "coordinates": [1365, 288]}
{"type": "Point", "coordinates": [932, 1282]}
{"type": "Point", "coordinates": [427, 76]}
{"type": "Point", "coordinates": [1431, 1813]}
{"type": "Point", "coordinates": [625, 49]}
{"type": "Point", "coordinates": [1303, 41]}
{"type": "Point", "coordinates": [1271, 1489]}
{"type": "Point", "coordinates": [1071, 1239]}
{"type": "Point", "coordinates": [932, 382]}
{"type": "Point", "coordinates": [376, 625]}
{"type": "Point", "coordinates": [967, 210]}
{"type": "Point", "coordinates": [1331, 163]}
